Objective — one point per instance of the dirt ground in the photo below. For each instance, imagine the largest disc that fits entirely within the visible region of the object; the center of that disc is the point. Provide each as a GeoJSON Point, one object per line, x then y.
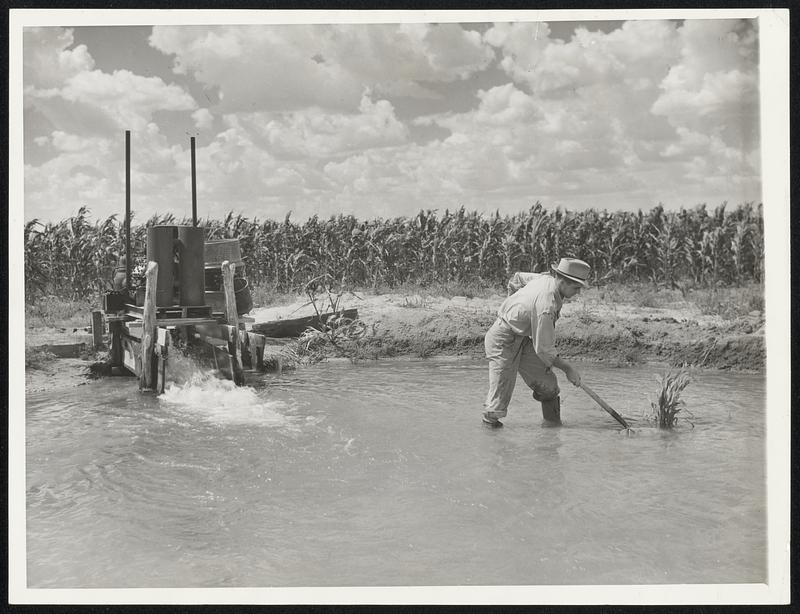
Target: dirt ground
{"type": "Point", "coordinates": [590, 328]}
{"type": "Point", "coordinates": [395, 325]}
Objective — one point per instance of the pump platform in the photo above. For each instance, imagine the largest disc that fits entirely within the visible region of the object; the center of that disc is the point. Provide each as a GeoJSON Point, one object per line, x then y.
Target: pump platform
{"type": "Point", "coordinates": [140, 343]}
{"type": "Point", "coordinates": [175, 315]}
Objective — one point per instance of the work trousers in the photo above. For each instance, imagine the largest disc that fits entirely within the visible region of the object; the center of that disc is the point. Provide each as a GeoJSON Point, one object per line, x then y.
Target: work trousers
{"type": "Point", "coordinates": [508, 355]}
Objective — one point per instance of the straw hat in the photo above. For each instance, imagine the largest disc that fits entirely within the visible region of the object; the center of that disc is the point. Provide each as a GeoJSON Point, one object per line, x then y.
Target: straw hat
{"type": "Point", "coordinates": [573, 269]}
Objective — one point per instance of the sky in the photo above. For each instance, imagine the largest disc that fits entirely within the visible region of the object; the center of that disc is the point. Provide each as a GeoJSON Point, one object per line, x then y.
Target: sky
{"type": "Point", "coordinates": [382, 120]}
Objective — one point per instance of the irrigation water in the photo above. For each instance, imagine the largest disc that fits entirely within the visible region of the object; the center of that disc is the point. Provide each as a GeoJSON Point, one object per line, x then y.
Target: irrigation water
{"type": "Point", "coordinates": [381, 474]}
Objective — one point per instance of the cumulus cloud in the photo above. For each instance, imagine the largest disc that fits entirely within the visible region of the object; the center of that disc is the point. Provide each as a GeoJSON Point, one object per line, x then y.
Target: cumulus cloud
{"type": "Point", "coordinates": [291, 67]}
{"type": "Point", "coordinates": [122, 97]}
{"type": "Point", "coordinates": [82, 112]}
{"type": "Point", "coordinates": [318, 119]}
{"type": "Point", "coordinates": [716, 78]}
{"type": "Point", "coordinates": [48, 61]}
{"type": "Point", "coordinates": [203, 119]}
{"type": "Point", "coordinates": [313, 133]}
{"type": "Point", "coordinates": [578, 127]}
{"type": "Point", "coordinates": [647, 92]}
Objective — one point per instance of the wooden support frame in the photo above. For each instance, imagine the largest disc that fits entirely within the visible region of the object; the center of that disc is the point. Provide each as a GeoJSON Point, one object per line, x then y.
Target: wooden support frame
{"type": "Point", "coordinates": [235, 346]}
{"type": "Point", "coordinates": [115, 328]}
{"type": "Point", "coordinates": [140, 341]}
{"type": "Point", "coordinates": [97, 329]}
{"type": "Point", "coordinates": [255, 345]}
{"type": "Point", "coordinates": [149, 327]}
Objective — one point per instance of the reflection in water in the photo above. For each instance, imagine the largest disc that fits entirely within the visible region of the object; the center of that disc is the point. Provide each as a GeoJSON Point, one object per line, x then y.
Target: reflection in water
{"type": "Point", "coordinates": [382, 474]}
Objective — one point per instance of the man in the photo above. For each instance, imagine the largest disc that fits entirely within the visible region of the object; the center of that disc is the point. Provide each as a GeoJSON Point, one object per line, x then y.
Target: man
{"type": "Point", "coordinates": [522, 339]}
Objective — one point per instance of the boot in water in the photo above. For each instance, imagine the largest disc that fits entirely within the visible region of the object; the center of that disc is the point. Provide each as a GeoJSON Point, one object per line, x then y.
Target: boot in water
{"type": "Point", "coordinates": [551, 411]}
{"type": "Point", "coordinates": [491, 420]}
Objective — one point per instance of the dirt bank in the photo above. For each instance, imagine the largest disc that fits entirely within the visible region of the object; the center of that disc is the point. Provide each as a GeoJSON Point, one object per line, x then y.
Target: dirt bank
{"type": "Point", "coordinates": [591, 328]}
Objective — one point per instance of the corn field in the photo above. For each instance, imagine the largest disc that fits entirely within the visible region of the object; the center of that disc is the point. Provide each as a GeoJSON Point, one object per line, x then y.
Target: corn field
{"type": "Point", "coordinates": [75, 258]}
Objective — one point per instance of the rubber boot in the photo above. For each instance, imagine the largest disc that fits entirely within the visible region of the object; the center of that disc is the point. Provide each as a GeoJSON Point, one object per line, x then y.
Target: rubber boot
{"type": "Point", "coordinates": [551, 410]}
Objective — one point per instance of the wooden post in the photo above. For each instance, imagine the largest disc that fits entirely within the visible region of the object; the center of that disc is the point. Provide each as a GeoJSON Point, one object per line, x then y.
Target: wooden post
{"type": "Point", "coordinates": [163, 349]}
{"type": "Point", "coordinates": [115, 328]}
{"type": "Point", "coordinates": [228, 270]}
{"type": "Point", "coordinates": [149, 327]}
{"type": "Point", "coordinates": [256, 352]}
{"type": "Point", "coordinates": [97, 329]}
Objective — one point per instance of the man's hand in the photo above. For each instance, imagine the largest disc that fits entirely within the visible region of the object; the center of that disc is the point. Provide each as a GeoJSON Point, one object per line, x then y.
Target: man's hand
{"type": "Point", "coordinates": [573, 375]}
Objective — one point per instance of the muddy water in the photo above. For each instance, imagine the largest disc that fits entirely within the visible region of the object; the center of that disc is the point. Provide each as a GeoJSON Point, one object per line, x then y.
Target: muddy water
{"type": "Point", "coordinates": [382, 474]}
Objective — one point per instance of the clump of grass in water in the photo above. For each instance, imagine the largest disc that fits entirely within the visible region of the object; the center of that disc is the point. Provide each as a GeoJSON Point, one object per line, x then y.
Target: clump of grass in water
{"type": "Point", "coordinates": [668, 402]}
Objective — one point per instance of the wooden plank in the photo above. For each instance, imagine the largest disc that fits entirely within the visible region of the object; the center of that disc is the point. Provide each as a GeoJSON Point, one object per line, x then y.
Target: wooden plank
{"type": "Point", "coordinates": [132, 329]}
{"type": "Point", "coordinates": [136, 311]}
{"type": "Point", "coordinates": [228, 270]}
{"type": "Point", "coordinates": [224, 362]}
{"type": "Point", "coordinates": [294, 327]}
{"type": "Point", "coordinates": [244, 346]}
{"type": "Point", "coordinates": [185, 321]}
{"type": "Point", "coordinates": [97, 329]}
{"type": "Point", "coordinates": [161, 376]}
{"type": "Point", "coordinates": [255, 344]}
{"type": "Point", "coordinates": [149, 327]}
{"type": "Point", "coordinates": [115, 328]}
{"type": "Point", "coordinates": [176, 312]}
{"type": "Point", "coordinates": [131, 354]}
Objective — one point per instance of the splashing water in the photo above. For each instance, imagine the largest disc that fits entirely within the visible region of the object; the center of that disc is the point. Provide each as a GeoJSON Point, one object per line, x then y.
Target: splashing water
{"type": "Point", "coordinates": [194, 390]}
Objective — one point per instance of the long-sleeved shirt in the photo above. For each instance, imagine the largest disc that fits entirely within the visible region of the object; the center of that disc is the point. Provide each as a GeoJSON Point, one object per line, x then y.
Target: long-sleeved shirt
{"type": "Point", "coordinates": [532, 311]}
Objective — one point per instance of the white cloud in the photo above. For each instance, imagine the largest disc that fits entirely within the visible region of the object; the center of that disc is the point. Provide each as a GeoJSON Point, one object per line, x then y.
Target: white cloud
{"type": "Point", "coordinates": [122, 98]}
{"type": "Point", "coordinates": [715, 81]}
{"type": "Point", "coordinates": [290, 67]}
{"type": "Point", "coordinates": [314, 133]}
{"type": "Point", "coordinates": [203, 119]}
{"type": "Point", "coordinates": [648, 92]}
{"type": "Point", "coordinates": [89, 109]}
{"type": "Point", "coordinates": [309, 120]}
{"type": "Point", "coordinates": [47, 61]}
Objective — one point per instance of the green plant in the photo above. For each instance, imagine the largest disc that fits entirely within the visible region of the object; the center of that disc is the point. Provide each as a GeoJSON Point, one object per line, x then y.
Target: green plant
{"type": "Point", "coordinates": [338, 333]}
{"type": "Point", "coordinates": [668, 403]}
{"type": "Point", "coordinates": [459, 251]}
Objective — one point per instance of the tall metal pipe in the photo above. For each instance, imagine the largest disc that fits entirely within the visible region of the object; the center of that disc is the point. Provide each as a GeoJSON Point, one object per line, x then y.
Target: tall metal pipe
{"type": "Point", "coordinates": [128, 259]}
{"type": "Point", "coordinates": [194, 188]}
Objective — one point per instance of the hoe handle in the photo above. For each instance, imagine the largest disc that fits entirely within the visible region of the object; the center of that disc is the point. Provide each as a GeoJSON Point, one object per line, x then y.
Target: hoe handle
{"type": "Point", "coordinates": [604, 405]}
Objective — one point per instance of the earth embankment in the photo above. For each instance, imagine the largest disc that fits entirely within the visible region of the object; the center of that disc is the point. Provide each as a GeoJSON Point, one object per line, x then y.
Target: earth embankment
{"type": "Point", "coordinates": [423, 326]}
{"type": "Point", "coordinates": [589, 329]}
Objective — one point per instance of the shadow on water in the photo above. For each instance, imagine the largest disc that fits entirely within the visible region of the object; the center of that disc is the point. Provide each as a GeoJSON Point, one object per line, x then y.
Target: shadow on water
{"type": "Point", "coordinates": [383, 474]}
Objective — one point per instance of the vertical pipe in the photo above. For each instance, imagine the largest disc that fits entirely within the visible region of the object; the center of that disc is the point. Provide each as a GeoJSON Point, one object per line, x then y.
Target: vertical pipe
{"type": "Point", "coordinates": [194, 188]}
{"type": "Point", "coordinates": [128, 261]}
